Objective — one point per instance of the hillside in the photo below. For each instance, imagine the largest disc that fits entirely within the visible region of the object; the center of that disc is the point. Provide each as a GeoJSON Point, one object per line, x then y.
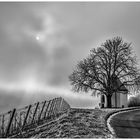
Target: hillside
{"type": "Point", "coordinates": [79, 123]}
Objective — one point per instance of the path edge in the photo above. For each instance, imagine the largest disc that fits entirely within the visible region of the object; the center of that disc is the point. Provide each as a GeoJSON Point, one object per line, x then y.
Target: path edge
{"type": "Point", "coordinates": [110, 115]}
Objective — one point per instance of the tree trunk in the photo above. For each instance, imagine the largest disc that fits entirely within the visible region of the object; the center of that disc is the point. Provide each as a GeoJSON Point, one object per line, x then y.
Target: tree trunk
{"type": "Point", "coordinates": [109, 104]}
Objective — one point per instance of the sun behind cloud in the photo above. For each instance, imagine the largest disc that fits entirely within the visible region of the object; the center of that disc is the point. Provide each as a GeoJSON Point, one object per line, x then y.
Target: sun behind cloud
{"type": "Point", "coordinates": [37, 37]}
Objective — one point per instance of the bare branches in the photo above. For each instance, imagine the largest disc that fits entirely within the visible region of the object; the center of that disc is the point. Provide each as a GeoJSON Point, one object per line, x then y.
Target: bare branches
{"type": "Point", "coordinates": [114, 58]}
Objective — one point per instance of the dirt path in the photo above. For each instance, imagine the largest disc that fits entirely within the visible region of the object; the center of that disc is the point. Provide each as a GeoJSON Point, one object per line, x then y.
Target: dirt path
{"type": "Point", "coordinates": [127, 124]}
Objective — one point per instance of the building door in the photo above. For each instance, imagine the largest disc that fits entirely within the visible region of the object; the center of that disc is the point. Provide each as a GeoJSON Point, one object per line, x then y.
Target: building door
{"type": "Point", "coordinates": [102, 101]}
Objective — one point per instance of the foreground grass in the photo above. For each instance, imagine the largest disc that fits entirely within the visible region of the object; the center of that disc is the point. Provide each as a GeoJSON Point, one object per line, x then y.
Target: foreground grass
{"type": "Point", "coordinates": [79, 123]}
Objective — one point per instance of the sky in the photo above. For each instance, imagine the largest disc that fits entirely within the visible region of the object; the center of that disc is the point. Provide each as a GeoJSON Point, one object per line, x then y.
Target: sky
{"type": "Point", "coordinates": [41, 43]}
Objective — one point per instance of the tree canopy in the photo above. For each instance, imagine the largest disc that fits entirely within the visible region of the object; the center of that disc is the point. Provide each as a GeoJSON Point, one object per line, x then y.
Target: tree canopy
{"type": "Point", "coordinates": [114, 60]}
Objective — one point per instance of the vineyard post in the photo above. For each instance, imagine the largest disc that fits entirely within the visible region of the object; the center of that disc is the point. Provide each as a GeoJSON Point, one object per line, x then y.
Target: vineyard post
{"type": "Point", "coordinates": [35, 112]}
{"type": "Point", "coordinates": [48, 106]}
{"type": "Point", "coordinates": [51, 107]}
{"type": "Point", "coordinates": [59, 103]}
{"type": "Point", "coordinates": [15, 124]}
{"type": "Point", "coordinates": [41, 111]}
{"type": "Point", "coordinates": [10, 122]}
{"type": "Point", "coordinates": [20, 118]}
{"type": "Point", "coordinates": [26, 116]}
{"type": "Point", "coordinates": [2, 125]}
{"type": "Point", "coordinates": [55, 106]}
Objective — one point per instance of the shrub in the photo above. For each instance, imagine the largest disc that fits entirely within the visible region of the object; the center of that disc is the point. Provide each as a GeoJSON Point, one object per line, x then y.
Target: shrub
{"type": "Point", "coordinates": [134, 101]}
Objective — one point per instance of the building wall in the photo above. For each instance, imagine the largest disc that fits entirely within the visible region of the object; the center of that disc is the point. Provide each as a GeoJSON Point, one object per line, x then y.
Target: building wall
{"type": "Point", "coordinates": [116, 100]}
{"type": "Point", "coordinates": [113, 100]}
{"type": "Point", "coordinates": [103, 103]}
{"type": "Point", "coordinates": [123, 100]}
{"type": "Point", "coordinates": [119, 100]}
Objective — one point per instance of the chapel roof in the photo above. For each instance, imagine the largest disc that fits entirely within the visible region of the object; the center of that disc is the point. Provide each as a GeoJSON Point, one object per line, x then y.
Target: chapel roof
{"type": "Point", "coordinates": [117, 84]}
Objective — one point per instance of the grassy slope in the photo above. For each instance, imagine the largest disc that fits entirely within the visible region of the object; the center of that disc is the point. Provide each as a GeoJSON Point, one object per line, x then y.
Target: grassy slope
{"type": "Point", "coordinates": [80, 123]}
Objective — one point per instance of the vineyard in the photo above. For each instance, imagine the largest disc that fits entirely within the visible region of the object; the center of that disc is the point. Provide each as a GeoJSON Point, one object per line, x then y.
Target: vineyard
{"type": "Point", "coordinates": [18, 121]}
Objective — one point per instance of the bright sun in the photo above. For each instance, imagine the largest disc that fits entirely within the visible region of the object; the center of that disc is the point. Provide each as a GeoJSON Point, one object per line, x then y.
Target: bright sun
{"type": "Point", "coordinates": [37, 37]}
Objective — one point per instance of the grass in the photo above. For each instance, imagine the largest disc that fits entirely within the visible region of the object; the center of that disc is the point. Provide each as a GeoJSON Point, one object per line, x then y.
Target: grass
{"type": "Point", "coordinates": [79, 123]}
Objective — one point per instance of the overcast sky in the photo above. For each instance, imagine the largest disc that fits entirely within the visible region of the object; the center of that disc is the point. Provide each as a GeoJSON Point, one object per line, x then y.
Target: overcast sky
{"type": "Point", "coordinates": [40, 44]}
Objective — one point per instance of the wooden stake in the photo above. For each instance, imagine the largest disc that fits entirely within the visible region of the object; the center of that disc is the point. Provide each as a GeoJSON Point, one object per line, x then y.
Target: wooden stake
{"type": "Point", "coordinates": [10, 122]}
{"type": "Point", "coordinates": [51, 107]}
{"type": "Point", "coordinates": [41, 111]}
{"type": "Point", "coordinates": [48, 105]}
{"type": "Point", "coordinates": [35, 112]}
{"type": "Point", "coordinates": [26, 116]}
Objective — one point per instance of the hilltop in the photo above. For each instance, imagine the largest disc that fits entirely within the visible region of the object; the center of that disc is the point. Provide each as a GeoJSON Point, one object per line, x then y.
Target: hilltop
{"type": "Point", "coordinates": [78, 123]}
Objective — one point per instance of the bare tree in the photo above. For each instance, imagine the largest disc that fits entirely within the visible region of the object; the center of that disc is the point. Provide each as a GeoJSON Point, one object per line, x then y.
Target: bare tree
{"type": "Point", "coordinates": [98, 72]}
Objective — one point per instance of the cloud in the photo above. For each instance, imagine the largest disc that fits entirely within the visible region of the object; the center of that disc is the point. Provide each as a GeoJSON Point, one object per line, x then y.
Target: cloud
{"type": "Point", "coordinates": [66, 32]}
{"type": "Point", "coordinates": [30, 91]}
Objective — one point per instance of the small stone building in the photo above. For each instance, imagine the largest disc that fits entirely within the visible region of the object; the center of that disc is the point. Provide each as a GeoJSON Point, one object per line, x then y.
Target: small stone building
{"type": "Point", "coordinates": [118, 99]}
